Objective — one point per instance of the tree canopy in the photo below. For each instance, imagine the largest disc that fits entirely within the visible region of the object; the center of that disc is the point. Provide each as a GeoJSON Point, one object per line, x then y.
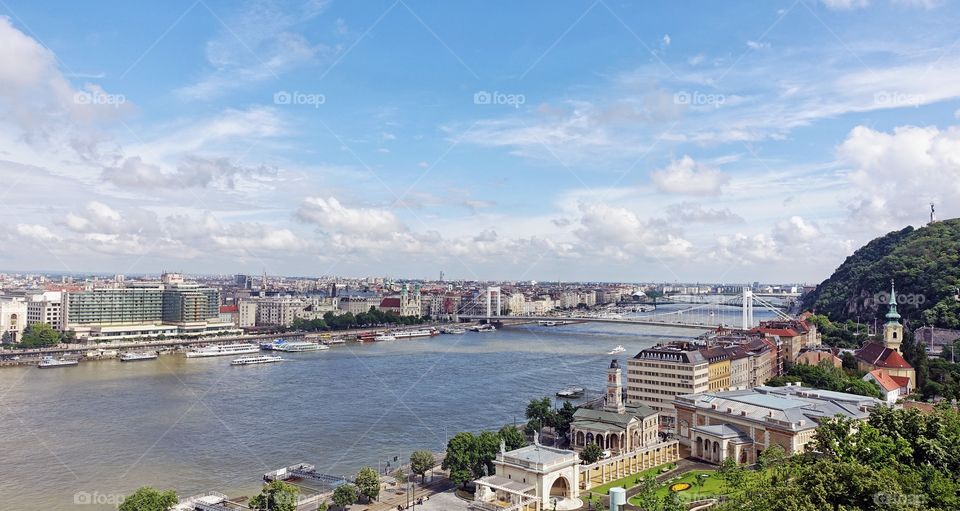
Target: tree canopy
{"type": "Point", "coordinates": [368, 483]}
{"type": "Point", "coordinates": [149, 499]}
{"type": "Point", "coordinates": [421, 462]}
{"type": "Point", "coordinates": [924, 262]}
{"type": "Point", "coordinates": [344, 495]}
{"type": "Point", "coordinates": [39, 335]}
{"type": "Point", "coordinates": [897, 460]}
{"type": "Point", "coordinates": [276, 496]}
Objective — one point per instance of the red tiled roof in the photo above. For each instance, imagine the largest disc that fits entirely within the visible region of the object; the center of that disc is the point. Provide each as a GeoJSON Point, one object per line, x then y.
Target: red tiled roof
{"type": "Point", "coordinates": [903, 381]}
{"type": "Point", "coordinates": [878, 355]}
{"type": "Point", "coordinates": [226, 309]}
{"type": "Point", "coordinates": [782, 332]}
{"type": "Point", "coordinates": [886, 382]}
{"type": "Point", "coordinates": [390, 303]}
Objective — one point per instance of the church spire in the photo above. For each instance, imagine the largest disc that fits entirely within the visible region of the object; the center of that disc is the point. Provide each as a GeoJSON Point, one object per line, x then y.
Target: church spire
{"type": "Point", "coordinates": [892, 315]}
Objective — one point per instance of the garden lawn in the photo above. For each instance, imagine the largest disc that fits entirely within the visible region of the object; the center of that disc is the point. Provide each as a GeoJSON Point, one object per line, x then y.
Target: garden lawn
{"type": "Point", "coordinates": [713, 485]}
{"type": "Point", "coordinates": [630, 481]}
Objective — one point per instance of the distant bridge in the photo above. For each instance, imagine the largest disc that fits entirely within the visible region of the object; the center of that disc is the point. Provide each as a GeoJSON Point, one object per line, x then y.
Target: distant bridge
{"type": "Point", "coordinates": [623, 321]}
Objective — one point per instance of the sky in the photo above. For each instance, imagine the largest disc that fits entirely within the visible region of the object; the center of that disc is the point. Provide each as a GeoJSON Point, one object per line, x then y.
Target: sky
{"type": "Point", "coordinates": [603, 140]}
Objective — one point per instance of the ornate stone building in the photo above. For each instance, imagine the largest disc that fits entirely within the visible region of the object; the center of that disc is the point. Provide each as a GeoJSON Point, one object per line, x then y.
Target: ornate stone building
{"type": "Point", "coordinates": [618, 427]}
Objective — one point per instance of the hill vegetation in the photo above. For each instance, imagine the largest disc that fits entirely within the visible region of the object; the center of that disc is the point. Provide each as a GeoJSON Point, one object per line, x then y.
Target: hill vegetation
{"type": "Point", "coordinates": [924, 263]}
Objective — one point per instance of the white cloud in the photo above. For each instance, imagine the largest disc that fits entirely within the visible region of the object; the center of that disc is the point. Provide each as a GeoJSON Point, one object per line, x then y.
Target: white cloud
{"type": "Point", "coordinates": [689, 177]}
{"type": "Point", "coordinates": [258, 44]}
{"type": "Point", "coordinates": [795, 230]}
{"type": "Point", "coordinates": [36, 232]}
{"type": "Point", "coordinates": [896, 174]}
{"type": "Point", "coordinates": [757, 45]}
{"type": "Point", "coordinates": [846, 4]}
{"type": "Point", "coordinates": [329, 214]}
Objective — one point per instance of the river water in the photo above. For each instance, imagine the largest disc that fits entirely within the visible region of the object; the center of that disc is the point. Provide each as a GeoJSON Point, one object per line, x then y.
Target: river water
{"type": "Point", "coordinates": [96, 432]}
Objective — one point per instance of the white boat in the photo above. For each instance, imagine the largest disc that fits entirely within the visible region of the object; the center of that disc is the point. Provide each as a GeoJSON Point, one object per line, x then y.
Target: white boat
{"type": "Point", "coordinates": [293, 346]}
{"type": "Point", "coordinates": [131, 356]}
{"type": "Point", "coordinates": [572, 392]}
{"type": "Point", "coordinates": [454, 330]}
{"type": "Point", "coordinates": [409, 334]}
{"type": "Point", "coordinates": [385, 337]}
{"type": "Point", "coordinates": [486, 327]}
{"type": "Point", "coordinates": [223, 349]}
{"type": "Point", "coordinates": [259, 359]}
{"type": "Point", "coordinates": [48, 361]}
{"type": "Point", "coordinates": [618, 349]}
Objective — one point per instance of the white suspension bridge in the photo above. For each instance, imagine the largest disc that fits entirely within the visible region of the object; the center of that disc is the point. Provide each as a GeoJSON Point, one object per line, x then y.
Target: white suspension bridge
{"type": "Point", "coordinates": [703, 314]}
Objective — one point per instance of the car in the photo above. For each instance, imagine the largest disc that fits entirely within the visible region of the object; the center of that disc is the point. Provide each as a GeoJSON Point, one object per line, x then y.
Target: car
{"type": "Point", "coordinates": [607, 454]}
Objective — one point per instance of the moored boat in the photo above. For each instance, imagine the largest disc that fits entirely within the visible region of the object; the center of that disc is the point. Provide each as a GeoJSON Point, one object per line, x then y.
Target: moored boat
{"type": "Point", "coordinates": [292, 346]}
{"type": "Point", "coordinates": [618, 349]}
{"type": "Point", "coordinates": [571, 392]}
{"type": "Point", "coordinates": [131, 356]}
{"type": "Point", "coordinates": [48, 362]}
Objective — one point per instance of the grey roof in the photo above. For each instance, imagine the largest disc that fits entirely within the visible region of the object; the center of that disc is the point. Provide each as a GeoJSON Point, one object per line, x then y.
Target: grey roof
{"type": "Point", "coordinates": [509, 484]}
{"type": "Point", "coordinates": [725, 431]}
{"type": "Point", "coordinates": [537, 453]}
{"type": "Point", "coordinates": [794, 408]}
{"type": "Point", "coordinates": [610, 421]}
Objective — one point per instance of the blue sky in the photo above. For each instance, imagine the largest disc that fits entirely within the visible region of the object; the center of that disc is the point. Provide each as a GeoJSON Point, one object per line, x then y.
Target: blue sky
{"type": "Point", "coordinates": [604, 140]}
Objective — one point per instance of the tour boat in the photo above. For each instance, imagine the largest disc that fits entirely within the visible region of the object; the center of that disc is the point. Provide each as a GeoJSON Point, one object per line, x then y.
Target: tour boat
{"type": "Point", "coordinates": [486, 327]}
{"type": "Point", "coordinates": [571, 392]}
{"type": "Point", "coordinates": [618, 349]}
{"type": "Point", "coordinates": [409, 334]}
{"type": "Point", "coordinates": [453, 330]}
{"type": "Point", "coordinates": [259, 359]}
{"type": "Point", "coordinates": [385, 337]}
{"type": "Point", "coordinates": [223, 349]}
{"type": "Point", "coordinates": [292, 346]}
{"type": "Point", "coordinates": [48, 361]}
{"type": "Point", "coordinates": [134, 356]}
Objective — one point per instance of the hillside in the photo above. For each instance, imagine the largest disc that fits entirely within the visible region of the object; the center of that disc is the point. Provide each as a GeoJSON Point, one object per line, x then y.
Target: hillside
{"type": "Point", "coordinates": [925, 263]}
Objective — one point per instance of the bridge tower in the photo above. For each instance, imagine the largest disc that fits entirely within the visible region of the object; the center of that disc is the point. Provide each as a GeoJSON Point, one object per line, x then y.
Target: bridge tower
{"type": "Point", "coordinates": [747, 310]}
{"type": "Point", "coordinates": [490, 291]}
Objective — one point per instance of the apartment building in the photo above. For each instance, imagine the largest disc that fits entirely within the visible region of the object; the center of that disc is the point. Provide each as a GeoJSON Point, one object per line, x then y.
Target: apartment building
{"type": "Point", "coordinates": [657, 375]}
{"type": "Point", "coordinates": [46, 308]}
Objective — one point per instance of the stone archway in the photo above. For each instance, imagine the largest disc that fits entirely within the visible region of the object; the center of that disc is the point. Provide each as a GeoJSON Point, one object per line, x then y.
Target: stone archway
{"type": "Point", "coordinates": [613, 442]}
{"type": "Point", "coordinates": [589, 438]}
{"type": "Point", "coordinates": [699, 451]}
{"type": "Point", "coordinates": [560, 488]}
{"type": "Point", "coordinates": [580, 439]}
{"type": "Point", "coordinates": [599, 439]}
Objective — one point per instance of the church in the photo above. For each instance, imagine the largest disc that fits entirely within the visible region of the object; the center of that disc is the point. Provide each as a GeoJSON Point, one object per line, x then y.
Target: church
{"type": "Point", "coordinates": [617, 427]}
{"type": "Point", "coordinates": [886, 357]}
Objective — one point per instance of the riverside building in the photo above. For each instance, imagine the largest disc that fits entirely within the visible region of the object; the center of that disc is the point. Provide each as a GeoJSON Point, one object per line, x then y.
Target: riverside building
{"type": "Point", "coordinates": [170, 307]}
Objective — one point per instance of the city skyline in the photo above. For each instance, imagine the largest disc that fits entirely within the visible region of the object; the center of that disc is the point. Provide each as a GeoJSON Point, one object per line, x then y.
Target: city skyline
{"type": "Point", "coordinates": [404, 138]}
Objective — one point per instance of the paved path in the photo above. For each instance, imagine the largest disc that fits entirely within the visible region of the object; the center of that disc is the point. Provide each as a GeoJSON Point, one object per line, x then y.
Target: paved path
{"type": "Point", "coordinates": [390, 498]}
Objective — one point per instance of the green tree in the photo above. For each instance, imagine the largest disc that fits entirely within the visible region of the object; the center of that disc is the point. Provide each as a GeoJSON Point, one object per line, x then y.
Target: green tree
{"type": "Point", "coordinates": [487, 445]}
{"type": "Point", "coordinates": [771, 457]}
{"type": "Point", "coordinates": [461, 457]}
{"type": "Point", "coordinates": [276, 496]}
{"type": "Point", "coordinates": [344, 495]}
{"type": "Point", "coordinates": [421, 462]}
{"type": "Point", "coordinates": [591, 453]}
{"type": "Point", "coordinates": [673, 502]}
{"type": "Point", "coordinates": [368, 483]}
{"type": "Point", "coordinates": [149, 499]}
{"type": "Point", "coordinates": [512, 437]}
{"type": "Point", "coordinates": [564, 417]}
{"type": "Point", "coordinates": [39, 335]}
{"type": "Point", "coordinates": [646, 494]}
{"type": "Point", "coordinates": [732, 474]}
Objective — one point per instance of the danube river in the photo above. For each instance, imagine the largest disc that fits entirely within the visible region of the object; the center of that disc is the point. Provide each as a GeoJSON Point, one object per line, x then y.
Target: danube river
{"type": "Point", "coordinates": [102, 429]}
